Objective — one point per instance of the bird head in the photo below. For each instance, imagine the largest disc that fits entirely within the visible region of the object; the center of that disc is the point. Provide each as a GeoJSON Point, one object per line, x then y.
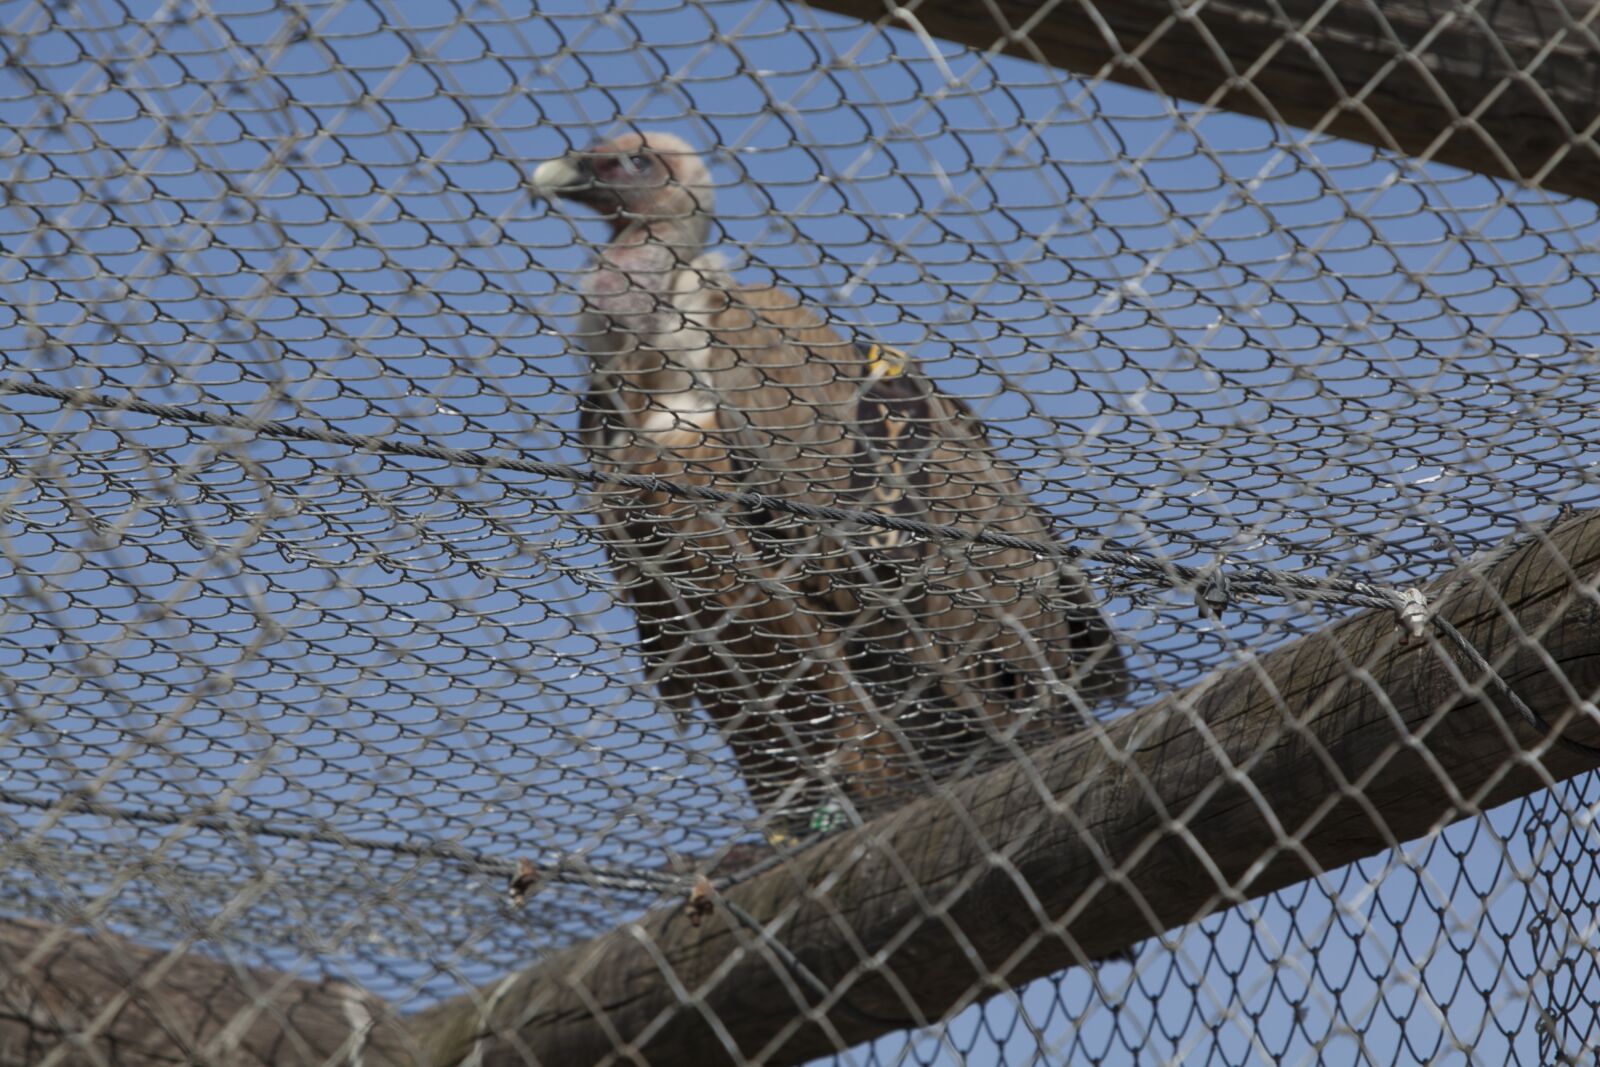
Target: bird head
{"type": "Point", "coordinates": [637, 178]}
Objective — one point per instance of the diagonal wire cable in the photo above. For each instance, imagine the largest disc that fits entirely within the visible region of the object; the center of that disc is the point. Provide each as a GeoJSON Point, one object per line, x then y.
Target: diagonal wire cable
{"type": "Point", "coordinates": [1239, 578]}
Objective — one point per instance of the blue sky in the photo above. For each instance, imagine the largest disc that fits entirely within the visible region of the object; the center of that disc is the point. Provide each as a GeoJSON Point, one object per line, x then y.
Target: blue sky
{"type": "Point", "coordinates": [1195, 333]}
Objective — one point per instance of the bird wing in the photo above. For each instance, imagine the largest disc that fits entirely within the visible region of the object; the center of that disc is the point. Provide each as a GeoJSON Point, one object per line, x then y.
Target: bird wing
{"type": "Point", "coordinates": [819, 650]}
{"type": "Point", "coordinates": [987, 631]}
{"type": "Point", "coordinates": [722, 625]}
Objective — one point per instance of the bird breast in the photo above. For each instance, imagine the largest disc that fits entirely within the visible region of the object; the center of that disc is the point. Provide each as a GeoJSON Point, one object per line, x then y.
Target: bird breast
{"type": "Point", "coordinates": [645, 326]}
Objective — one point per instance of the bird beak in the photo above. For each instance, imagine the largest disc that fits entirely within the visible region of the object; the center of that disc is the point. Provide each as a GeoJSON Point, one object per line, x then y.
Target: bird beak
{"type": "Point", "coordinates": [558, 176]}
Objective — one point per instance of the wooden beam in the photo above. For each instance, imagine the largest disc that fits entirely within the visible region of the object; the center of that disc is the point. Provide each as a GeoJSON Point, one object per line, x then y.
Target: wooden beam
{"type": "Point", "coordinates": [76, 999]}
{"type": "Point", "coordinates": [1507, 89]}
{"type": "Point", "coordinates": [1333, 748]}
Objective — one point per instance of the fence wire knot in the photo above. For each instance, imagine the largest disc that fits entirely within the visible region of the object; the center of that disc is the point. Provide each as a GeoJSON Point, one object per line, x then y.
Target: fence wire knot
{"type": "Point", "coordinates": [523, 882]}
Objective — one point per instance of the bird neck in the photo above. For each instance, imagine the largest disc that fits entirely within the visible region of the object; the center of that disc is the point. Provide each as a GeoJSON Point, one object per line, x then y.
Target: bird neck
{"type": "Point", "coordinates": [684, 236]}
{"type": "Point", "coordinates": [629, 295]}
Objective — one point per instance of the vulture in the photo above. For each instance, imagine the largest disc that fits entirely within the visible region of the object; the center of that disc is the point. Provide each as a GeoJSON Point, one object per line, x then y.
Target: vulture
{"type": "Point", "coordinates": [843, 664]}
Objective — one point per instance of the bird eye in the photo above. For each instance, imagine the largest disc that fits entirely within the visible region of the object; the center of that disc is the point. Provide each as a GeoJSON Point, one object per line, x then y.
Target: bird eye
{"type": "Point", "coordinates": [640, 163]}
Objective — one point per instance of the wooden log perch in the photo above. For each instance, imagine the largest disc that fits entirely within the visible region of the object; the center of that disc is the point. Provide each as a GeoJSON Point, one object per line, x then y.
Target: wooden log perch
{"type": "Point", "coordinates": [97, 1000]}
{"type": "Point", "coordinates": [1507, 89]}
{"type": "Point", "coordinates": [1336, 747]}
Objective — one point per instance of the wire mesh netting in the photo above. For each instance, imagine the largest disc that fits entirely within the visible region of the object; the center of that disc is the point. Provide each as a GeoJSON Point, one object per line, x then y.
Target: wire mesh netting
{"type": "Point", "coordinates": [318, 626]}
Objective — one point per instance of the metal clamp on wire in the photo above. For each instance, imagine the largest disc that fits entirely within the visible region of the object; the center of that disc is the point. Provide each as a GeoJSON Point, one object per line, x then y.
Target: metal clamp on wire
{"type": "Point", "coordinates": [1214, 592]}
{"type": "Point", "coordinates": [1412, 609]}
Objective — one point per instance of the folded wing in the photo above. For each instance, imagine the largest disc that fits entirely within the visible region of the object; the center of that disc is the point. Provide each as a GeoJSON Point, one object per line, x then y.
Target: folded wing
{"type": "Point", "coordinates": [856, 658]}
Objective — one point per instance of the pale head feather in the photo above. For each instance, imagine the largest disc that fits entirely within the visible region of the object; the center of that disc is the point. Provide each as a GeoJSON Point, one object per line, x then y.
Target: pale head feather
{"type": "Point", "coordinates": [654, 179]}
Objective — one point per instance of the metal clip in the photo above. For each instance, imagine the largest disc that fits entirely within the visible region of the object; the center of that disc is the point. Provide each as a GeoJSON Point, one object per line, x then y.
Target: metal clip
{"type": "Point", "coordinates": [1214, 592]}
{"type": "Point", "coordinates": [1413, 612]}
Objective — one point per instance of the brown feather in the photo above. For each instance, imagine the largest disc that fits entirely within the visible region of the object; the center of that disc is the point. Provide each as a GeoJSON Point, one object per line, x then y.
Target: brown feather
{"type": "Point", "coordinates": [862, 657]}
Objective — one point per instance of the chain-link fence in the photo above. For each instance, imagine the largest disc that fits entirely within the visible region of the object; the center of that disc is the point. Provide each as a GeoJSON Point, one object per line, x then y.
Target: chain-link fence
{"type": "Point", "coordinates": [697, 531]}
